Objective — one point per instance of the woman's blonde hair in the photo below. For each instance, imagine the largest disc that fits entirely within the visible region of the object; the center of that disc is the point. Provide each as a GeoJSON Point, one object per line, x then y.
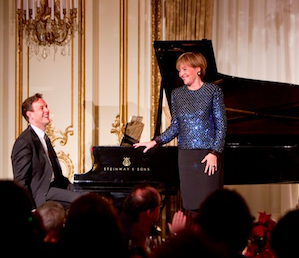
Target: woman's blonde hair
{"type": "Point", "coordinates": [193, 59]}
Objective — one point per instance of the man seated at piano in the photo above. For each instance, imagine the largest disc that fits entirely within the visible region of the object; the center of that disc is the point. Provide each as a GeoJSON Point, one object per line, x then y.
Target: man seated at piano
{"type": "Point", "coordinates": [34, 161]}
{"type": "Point", "coordinates": [199, 122]}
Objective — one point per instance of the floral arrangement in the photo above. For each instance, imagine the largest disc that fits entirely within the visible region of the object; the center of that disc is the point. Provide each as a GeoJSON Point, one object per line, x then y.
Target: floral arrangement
{"type": "Point", "coordinates": [259, 245]}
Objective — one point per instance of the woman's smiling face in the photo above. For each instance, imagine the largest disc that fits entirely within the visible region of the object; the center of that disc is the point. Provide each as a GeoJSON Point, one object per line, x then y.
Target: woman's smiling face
{"type": "Point", "coordinates": [188, 74]}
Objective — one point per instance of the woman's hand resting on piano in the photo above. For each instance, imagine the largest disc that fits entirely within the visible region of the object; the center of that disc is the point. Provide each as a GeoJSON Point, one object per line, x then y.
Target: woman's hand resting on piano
{"type": "Point", "coordinates": [147, 145]}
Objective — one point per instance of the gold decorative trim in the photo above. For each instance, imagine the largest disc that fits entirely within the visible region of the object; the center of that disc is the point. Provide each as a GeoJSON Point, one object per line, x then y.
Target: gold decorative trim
{"type": "Point", "coordinates": [81, 87]}
{"type": "Point", "coordinates": [123, 62]}
{"type": "Point", "coordinates": [122, 117]}
{"type": "Point", "coordinates": [64, 158]}
{"type": "Point", "coordinates": [117, 129]}
{"type": "Point", "coordinates": [138, 60]}
{"type": "Point", "coordinates": [19, 71]}
{"type": "Point", "coordinates": [50, 131]}
{"type": "Point", "coordinates": [156, 34]}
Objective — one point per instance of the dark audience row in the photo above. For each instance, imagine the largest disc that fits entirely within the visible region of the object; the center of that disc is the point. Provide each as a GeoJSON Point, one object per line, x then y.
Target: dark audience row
{"type": "Point", "coordinates": [93, 227]}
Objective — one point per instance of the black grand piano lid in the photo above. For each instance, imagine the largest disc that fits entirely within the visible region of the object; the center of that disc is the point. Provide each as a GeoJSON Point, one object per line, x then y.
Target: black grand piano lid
{"type": "Point", "coordinates": [258, 112]}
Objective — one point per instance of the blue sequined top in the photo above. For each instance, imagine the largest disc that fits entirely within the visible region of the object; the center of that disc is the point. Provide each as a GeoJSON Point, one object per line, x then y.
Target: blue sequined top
{"type": "Point", "coordinates": [198, 118]}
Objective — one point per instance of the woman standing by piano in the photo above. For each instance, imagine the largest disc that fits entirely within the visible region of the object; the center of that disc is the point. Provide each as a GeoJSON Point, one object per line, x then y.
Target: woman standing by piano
{"type": "Point", "coordinates": [199, 123]}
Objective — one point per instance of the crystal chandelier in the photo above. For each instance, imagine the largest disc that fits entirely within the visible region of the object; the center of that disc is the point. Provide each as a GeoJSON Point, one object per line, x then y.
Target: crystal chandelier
{"type": "Point", "coordinates": [47, 23]}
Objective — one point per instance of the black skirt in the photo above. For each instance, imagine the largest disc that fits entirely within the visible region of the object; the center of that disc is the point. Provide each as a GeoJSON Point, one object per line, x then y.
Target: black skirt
{"type": "Point", "coordinates": [195, 184]}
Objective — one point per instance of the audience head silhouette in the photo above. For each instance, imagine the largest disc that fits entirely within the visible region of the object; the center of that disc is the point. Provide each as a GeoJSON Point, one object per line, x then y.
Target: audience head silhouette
{"type": "Point", "coordinates": [20, 231]}
{"type": "Point", "coordinates": [52, 214]}
{"type": "Point", "coordinates": [141, 210]}
{"type": "Point", "coordinates": [285, 236]}
{"type": "Point", "coordinates": [225, 217]}
{"type": "Point", "coordinates": [143, 198]}
{"type": "Point", "coordinates": [91, 226]}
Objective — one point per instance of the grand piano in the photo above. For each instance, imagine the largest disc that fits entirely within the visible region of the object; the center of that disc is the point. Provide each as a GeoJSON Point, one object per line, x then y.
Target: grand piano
{"type": "Point", "coordinates": [262, 137]}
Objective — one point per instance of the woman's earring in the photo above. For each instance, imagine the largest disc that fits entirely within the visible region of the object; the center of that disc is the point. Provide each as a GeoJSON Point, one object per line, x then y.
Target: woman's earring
{"type": "Point", "coordinates": [198, 73]}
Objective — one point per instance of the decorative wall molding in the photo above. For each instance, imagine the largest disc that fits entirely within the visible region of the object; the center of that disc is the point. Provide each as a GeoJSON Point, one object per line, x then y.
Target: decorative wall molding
{"type": "Point", "coordinates": [156, 34]}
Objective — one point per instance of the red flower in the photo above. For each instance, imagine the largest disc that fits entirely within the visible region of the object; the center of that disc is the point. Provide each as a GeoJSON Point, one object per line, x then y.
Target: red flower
{"type": "Point", "coordinates": [263, 218]}
{"type": "Point", "coordinates": [259, 245]}
{"type": "Point", "coordinates": [258, 230]}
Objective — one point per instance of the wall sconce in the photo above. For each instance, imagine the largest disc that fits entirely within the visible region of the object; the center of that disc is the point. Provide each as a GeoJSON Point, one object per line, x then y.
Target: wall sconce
{"type": "Point", "coordinates": [47, 23]}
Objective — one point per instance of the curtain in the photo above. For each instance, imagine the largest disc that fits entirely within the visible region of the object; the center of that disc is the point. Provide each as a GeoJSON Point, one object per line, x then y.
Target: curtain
{"type": "Point", "coordinates": [188, 19]}
{"type": "Point", "coordinates": [257, 39]}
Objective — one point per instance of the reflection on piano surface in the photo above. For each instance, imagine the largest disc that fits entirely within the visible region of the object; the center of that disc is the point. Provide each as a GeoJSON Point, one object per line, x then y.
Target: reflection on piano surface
{"type": "Point", "coordinates": [262, 137]}
{"type": "Point", "coordinates": [263, 131]}
{"type": "Point", "coordinates": [118, 168]}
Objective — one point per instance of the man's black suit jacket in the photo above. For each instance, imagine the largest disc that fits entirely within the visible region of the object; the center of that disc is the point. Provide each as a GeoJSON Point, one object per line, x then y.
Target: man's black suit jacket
{"type": "Point", "coordinates": [31, 167]}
